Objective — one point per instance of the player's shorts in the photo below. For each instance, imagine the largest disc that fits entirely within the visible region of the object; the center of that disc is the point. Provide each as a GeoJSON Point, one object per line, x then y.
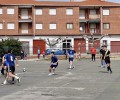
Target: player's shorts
{"type": "Point", "coordinates": [5, 64]}
{"type": "Point", "coordinates": [107, 60]}
{"type": "Point", "coordinates": [10, 69]}
{"type": "Point", "coordinates": [54, 66]}
{"type": "Point", "coordinates": [71, 59]}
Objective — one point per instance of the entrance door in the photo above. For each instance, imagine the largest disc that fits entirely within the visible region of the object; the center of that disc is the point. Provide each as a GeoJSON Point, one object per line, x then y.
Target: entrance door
{"type": "Point", "coordinates": [38, 44]}
{"type": "Point", "coordinates": [115, 46]}
{"type": "Point", "coordinates": [25, 47]}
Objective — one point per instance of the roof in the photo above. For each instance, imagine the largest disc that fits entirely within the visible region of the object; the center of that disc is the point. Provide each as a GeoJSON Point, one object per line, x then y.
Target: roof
{"type": "Point", "coordinates": [59, 3]}
{"type": "Point", "coordinates": [98, 3]}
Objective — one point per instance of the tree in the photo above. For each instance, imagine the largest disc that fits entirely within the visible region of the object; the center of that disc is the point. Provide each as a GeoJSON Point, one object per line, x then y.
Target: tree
{"type": "Point", "coordinates": [51, 43]}
{"type": "Point", "coordinates": [10, 44]}
{"type": "Point", "coordinates": [92, 39]}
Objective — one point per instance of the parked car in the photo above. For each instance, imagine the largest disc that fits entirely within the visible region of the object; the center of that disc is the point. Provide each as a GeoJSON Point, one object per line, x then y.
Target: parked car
{"type": "Point", "coordinates": [56, 51]}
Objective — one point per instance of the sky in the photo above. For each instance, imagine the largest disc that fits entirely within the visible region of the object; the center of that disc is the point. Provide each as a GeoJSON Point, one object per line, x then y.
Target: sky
{"type": "Point", "coordinates": [118, 1]}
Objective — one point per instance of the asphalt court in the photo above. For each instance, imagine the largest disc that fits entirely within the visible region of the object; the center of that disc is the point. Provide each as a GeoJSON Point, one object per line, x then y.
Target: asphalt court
{"type": "Point", "coordinates": [87, 81]}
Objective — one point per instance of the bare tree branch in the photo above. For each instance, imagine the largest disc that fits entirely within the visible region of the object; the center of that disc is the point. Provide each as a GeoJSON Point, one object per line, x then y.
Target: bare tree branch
{"type": "Point", "coordinates": [92, 39]}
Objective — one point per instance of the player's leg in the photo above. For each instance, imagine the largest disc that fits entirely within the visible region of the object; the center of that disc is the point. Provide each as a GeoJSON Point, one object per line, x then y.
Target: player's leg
{"type": "Point", "coordinates": [94, 57]}
{"type": "Point", "coordinates": [13, 72]}
{"type": "Point", "coordinates": [109, 66]}
{"type": "Point", "coordinates": [55, 66]}
{"type": "Point", "coordinates": [12, 69]}
{"type": "Point", "coordinates": [50, 70]}
{"type": "Point", "coordinates": [7, 77]}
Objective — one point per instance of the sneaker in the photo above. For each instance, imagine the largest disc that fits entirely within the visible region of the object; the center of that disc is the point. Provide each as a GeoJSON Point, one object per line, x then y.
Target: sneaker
{"type": "Point", "coordinates": [53, 73]}
{"type": "Point", "coordinates": [73, 67]}
{"type": "Point", "coordinates": [50, 74]}
{"type": "Point", "coordinates": [101, 66]}
{"type": "Point", "coordinates": [18, 80]}
{"type": "Point", "coordinates": [110, 72]}
{"type": "Point", "coordinates": [70, 68]}
{"type": "Point", "coordinates": [4, 83]}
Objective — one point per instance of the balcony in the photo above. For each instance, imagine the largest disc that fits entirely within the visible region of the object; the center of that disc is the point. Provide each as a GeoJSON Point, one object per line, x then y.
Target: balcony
{"type": "Point", "coordinates": [94, 31]}
{"type": "Point", "coordinates": [25, 28]}
{"type": "Point", "coordinates": [94, 16]}
{"type": "Point", "coordinates": [25, 18]}
{"type": "Point", "coordinates": [25, 15]}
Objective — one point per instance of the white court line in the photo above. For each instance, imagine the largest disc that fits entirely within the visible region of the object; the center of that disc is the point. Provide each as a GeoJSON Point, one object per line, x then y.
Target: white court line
{"type": "Point", "coordinates": [62, 87]}
{"type": "Point", "coordinates": [64, 76]}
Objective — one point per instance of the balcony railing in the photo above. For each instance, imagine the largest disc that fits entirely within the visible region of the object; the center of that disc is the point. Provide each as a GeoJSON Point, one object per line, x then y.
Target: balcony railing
{"type": "Point", "coordinates": [25, 17]}
{"type": "Point", "coordinates": [94, 31]}
{"type": "Point", "coordinates": [94, 16]}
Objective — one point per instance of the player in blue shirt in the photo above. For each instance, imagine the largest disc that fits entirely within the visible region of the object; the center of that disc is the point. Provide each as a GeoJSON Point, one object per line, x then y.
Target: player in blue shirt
{"type": "Point", "coordinates": [54, 64]}
{"type": "Point", "coordinates": [71, 54]}
{"type": "Point", "coordinates": [10, 67]}
{"type": "Point", "coordinates": [4, 63]}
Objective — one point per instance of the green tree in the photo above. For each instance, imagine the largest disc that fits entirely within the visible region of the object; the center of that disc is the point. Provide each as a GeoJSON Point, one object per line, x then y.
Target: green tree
{"type": "Point", "coordinates": [10, 44]}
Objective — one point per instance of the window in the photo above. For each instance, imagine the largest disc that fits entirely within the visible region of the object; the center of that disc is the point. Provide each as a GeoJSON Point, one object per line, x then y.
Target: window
{"type": "Point", "coordinates": [92, 25]}
{"type": "Point", "coordinates": [105, 42]}
{"type": "Point", "coordinates": [39, 26]}
{"type": "Point", "coordinates": [82, 27]}
{"type": "Point", "coordinates": [106, 26]}
{"type": "Point", "coordinates": [1, 26]}
{"type": "Point", "coordinates": [10, 26]}
{"type": "Point", "coordinates": [66, 45]}
{"type": "Point", "coordinates": [106, 12]}
{"type": "Point", "coordinates": [52, 11]}
{"type": "Point", "coordinates": [69, 11]}
{"type": "Point", "coordinates": [82, 14]}
{"type": "Point", "coordinates": [1, 11]}
{"type": "Point", "coordinates": [38, 11]}
{"type": "Point", "coordinates": [92, 12]}
{"type": "Point", "coordinates": [70, 26]}
{"type": "Point", "coordinates": [10, 11]}
{"type": "Point", "coordinates": [52, 26]}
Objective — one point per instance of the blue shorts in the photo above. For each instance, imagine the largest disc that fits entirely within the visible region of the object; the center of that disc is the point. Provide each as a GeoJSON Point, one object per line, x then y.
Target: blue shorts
{"type": "Point", "coordinates": [54, 66]}
{"type": "Point", "coordinates": [71, 59]}
{"type": "Point", "coordinates": [5, 64]}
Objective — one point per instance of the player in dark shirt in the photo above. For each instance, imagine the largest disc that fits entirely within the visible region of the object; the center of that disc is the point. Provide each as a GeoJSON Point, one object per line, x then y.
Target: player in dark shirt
{"type": "Point", "coordinates": [107, 59]}
{"type": "Point", "coordinates": [54, 64]}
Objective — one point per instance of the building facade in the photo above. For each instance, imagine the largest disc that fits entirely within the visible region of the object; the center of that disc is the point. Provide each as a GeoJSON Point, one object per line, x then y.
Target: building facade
{"type": "Point", "coordinates": [32, 22]}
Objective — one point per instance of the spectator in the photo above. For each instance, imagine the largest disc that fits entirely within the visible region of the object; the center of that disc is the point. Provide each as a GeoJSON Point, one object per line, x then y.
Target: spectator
{"type": "Point", "coordinates": [93, 53]}
{"type": "Point", "coordinates": [22, 54]}
{"type": "Point", "coordinates": [38, 53]}
{"type": "Point", "coordinates": [43, 53]}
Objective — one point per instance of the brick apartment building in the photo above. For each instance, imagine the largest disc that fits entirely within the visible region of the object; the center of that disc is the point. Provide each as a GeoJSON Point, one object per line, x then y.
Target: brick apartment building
{"type": "Point", "coordinates": [30, 21]}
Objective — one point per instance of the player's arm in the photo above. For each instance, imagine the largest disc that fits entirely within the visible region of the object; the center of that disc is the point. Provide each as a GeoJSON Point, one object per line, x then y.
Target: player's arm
{"type": "Point", "coordinates": [68, 54]}
{"type": "Point", "coordinates": [109, 54]}
{"type": "Point", "coordinates": [3, 60]}
{"type": "Point", "coordinates": [16, 62]}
